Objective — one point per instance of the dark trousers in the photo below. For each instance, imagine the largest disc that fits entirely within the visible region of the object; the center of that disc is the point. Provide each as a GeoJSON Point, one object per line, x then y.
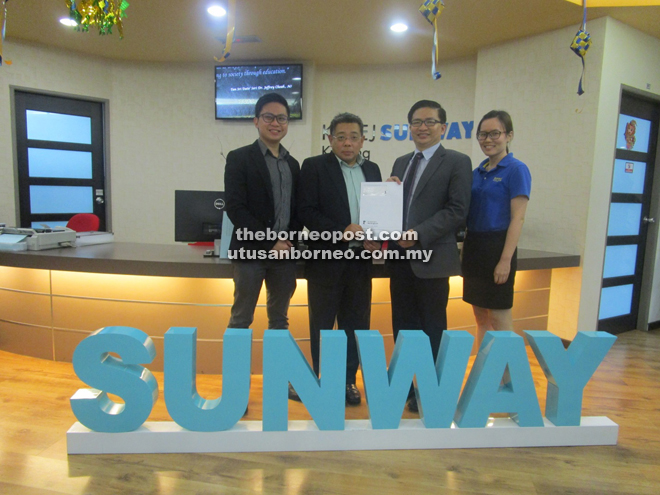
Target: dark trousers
{"type": "Point", "coordinates": [280, 277]}
{"type": "Point", "coordinates": [349, 302]}
{"type": "Point", "coordinates": [418, 303]}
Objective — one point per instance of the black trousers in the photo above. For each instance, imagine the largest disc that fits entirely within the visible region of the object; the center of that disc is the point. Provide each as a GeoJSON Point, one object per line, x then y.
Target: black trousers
{"type": "Point", "coordinates": [418, 303]}
{"type": "Point", "coordinates": [348, 302]}
{"type": "Point", "coordinates": [249, 276]}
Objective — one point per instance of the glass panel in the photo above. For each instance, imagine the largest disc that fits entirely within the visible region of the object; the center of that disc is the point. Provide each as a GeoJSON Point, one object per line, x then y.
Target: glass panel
{"type": "Point", "coordinates": [59, 163]}
{"type": "Point", "coordinates": [624, 219]}
{"type": "Point", "coordinates": [615, 301]}
{"type": "Point", "coordinates": [620, 261]}
{"type": "Point", "coordinates": [633, 134]}
{"type": "Point", "coordinates": [61, 199]}
{"type": "Point", "coordinates": [628, 177]}
{"type": "Point", "coordinates": [47, 126]}
{"type": "Point", "coordinates": [49, 224]}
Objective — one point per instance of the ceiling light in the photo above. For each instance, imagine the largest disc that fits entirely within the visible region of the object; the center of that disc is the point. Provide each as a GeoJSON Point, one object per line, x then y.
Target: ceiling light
{"type": "Point", "coordinates": [68, 22]}
{"type": "Point", "coordinates": [399, 27]}
{"type": "Point", "coordinates": [216, 11]}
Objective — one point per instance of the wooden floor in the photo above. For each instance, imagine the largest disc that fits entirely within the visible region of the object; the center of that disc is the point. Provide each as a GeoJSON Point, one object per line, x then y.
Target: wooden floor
{"type": "Point", "coordinates": [35, 415]}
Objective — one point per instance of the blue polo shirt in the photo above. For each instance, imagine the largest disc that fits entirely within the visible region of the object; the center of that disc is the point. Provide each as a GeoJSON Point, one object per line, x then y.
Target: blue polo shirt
{"type": "Point", "coordinates": [492, 192]}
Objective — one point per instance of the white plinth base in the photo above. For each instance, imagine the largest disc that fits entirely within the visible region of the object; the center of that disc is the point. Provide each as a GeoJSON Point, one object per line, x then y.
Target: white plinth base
{"type": "Point", "coordinates": [247, 436]}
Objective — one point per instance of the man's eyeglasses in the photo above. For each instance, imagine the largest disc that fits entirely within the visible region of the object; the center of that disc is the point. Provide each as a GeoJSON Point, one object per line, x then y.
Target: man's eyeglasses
{"type": "Point", "coordinates": [269, 117]}
{"type": "Point", "coordinates": [481, 136]}
{"type": "Point", "coordinates": [427, 122]}
{"type": "Point", "coordinates": [353, 138]}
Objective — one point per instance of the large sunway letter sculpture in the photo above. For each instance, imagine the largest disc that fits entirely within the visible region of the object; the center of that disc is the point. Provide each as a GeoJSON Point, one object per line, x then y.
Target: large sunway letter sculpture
{"type": "Point", "coordinates": [437, 386]}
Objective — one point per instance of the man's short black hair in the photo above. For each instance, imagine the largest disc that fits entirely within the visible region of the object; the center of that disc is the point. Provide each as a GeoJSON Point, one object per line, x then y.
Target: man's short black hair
{"type": "Point", "coordinates": [346, 118]}
{"type": "Point", "coordinates": [442, 114]}
{"type": "Point", "coordinates": [270, 98]}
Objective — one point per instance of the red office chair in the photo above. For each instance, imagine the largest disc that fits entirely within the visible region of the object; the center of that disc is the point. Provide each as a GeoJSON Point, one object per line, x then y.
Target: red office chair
{"type": "Point", "coordinates": [84, 222]}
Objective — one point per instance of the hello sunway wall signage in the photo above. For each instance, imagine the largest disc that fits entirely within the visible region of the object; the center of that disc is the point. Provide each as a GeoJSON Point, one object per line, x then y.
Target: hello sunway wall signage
{"type": "Point", "coordinates": [401, 132]}
{"type": "Point", "coordinates": [449, 416]}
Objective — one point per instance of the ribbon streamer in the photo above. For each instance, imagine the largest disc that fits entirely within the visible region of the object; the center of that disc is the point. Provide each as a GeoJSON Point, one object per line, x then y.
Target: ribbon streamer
{"type": "Point", "coordinates": [231, 26]}
{"type": "Point", "coordinates": [3, 25]}
{"type": "Point", "coordinates": [101, 13]}
{"type": "Point", "coordinates": [581, 44]}
{"type": "Point", "coordinates": [431, 10]}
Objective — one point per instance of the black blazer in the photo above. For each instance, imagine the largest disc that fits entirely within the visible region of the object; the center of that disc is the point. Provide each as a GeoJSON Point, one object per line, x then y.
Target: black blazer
{"type": "Point", "coordinates": [323, 204]}
{"type": "Point", "coordinates": [249, 195]}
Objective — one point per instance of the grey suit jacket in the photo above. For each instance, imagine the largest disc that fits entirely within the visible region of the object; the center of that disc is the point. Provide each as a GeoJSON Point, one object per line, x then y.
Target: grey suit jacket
{"type": "Point", "coordinates": [438, 209]}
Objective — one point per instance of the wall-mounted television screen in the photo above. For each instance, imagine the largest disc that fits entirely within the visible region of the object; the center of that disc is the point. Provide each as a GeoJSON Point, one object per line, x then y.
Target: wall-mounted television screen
{"type": "Point", "coordinates": [238, 87]}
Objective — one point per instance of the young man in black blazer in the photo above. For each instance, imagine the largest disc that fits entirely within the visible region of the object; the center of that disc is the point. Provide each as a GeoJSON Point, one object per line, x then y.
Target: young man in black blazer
{"type": "Point", "coordinates": [329, 201]}
{"type": "Point", "coordinates": [260, 191]}
{"type": "Point", "coordinates": [440, 185]}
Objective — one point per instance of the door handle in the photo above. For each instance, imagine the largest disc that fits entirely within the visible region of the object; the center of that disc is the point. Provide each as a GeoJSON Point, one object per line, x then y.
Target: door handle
{"type": "Point", "coordinates": [648, 220]}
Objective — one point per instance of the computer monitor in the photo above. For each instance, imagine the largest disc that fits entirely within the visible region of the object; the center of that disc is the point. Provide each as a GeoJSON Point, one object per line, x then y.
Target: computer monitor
{"type": "Point", "coordinates": [198, 215]}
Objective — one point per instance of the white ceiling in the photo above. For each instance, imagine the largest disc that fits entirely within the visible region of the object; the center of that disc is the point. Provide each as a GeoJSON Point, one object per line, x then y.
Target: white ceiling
{"type": "Point", "coordinates": [322, 31]}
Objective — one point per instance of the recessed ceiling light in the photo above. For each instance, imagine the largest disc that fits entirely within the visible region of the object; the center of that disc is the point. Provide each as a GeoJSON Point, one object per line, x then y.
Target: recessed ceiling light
{"type": "Point", "coordinates": [216, 11]}
{"type": "Point", "coordinates": [68, 22]}
{"type": "Point", "coordinates": [399, 27]}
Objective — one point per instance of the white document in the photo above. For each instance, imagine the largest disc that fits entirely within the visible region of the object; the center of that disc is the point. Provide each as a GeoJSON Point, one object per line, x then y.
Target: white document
{"type": "Point", "coordinates": [381, 207]}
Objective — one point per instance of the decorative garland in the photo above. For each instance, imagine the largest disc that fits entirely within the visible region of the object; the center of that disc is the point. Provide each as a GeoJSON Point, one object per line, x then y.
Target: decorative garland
{"type": "Point", "coordinates": [231, 27]}
{"type": "Point", "coordinates": [101, 13]}
{"type": "Point", "coordinates": [3, 20]}
{"type": "Point", "coordinates": [581, 44]}
{"type": "Point", "coordinates": [431, 10]}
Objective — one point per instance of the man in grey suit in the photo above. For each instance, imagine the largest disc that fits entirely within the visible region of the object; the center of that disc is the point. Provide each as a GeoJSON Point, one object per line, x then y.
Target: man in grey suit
{"type": "Point", "coordinates": [437, 184]}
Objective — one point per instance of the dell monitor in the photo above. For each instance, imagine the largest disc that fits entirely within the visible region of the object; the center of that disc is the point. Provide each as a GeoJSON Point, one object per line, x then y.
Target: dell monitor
{"type": "Point", "coordinates": [198, 215]}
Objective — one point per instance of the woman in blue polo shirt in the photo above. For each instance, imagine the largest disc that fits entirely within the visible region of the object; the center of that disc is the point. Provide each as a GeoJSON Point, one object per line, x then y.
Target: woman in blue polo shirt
{"type": "Point", "coordinates": [500, 192]}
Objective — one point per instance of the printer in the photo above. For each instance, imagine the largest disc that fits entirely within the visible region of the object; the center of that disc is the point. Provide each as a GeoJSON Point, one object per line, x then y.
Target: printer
{"type": "Point", "coordinates": [40, 239]}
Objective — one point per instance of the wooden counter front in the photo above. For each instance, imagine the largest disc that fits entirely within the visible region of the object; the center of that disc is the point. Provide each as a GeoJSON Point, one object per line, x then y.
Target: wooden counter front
{"type": "Point", "coordinates": [51, 300]}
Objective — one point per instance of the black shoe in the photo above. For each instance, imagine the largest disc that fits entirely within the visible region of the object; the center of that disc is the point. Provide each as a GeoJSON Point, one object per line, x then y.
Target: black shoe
{"type": "Point", "coordinates": [353, 396]}
{"type": "Point", "coordinates": [412, 405]}
{"type": "Point", "coordinates": [246, 411]}
{"type": "Point", "coordinates": [293, 395]}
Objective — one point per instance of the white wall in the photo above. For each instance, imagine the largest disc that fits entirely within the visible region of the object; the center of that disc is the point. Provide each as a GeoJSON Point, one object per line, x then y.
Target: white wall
{"type": "Point", "coordinates": [46, 70]}
{"type": "Point", "coordinates": [654, 310]}
{"type": "Point", "coordinates": [630, 58]}
{"type": "Point", "coordinates": [535, 80]}
{"type": "Point", "coordinates": [383, 95]}
{"type": "Point", "coordinates": [162, 136]}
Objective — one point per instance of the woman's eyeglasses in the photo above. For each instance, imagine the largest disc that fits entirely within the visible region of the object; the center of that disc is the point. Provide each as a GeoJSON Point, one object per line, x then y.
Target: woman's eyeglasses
{"type": "Point", "coordinates": [481, 136]}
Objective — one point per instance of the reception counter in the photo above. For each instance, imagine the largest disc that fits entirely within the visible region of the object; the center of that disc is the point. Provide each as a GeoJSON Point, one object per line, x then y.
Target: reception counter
{"type": "Point", "coordinates": [51, 300]}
